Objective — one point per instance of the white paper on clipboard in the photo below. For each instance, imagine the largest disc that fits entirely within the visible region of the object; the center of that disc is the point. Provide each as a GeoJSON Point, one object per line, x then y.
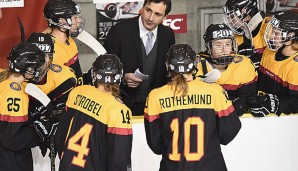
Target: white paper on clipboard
{"type": "Point", "coordinates": [140, 75]}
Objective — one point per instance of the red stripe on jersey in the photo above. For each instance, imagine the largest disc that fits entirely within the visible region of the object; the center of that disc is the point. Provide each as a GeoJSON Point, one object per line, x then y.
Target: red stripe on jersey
{"type": "Point", "coordinates": [120, 131]}
{"type": "Point", "coordinates": [235, 87]}
{"type": "Point", "coordinates": [260, 50]}
{"type": "Point", "coordinates": [8, 118]}
{"type": "Point", "coordinates": [72, 60]}
{"type": "Point", "coordinates": [293, 87]}
{"type": "Point", "coordinates": [276, 78]}
{"type": "Point", "coordinates": [150, 118]}
{"type": "Point", "coordinates": [225, 112]}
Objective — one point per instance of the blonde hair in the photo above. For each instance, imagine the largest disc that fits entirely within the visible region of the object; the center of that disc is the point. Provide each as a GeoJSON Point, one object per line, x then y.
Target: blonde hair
{"type": "Point", "coordinates": [114, 88]}
{"type": "Point", "coordinates": [178, 84]}
{"type": "Point", "coordinates": [4, 75]}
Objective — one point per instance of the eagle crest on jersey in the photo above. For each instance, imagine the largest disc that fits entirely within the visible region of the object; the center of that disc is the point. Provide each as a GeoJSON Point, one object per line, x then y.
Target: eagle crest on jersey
{"type": "Point", "coordinates": [15, 86]}
{"type": "Point", "coordinates": [56, 68]}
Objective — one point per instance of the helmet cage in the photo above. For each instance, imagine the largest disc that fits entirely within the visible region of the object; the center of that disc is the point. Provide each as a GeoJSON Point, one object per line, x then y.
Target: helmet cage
{"type": "Point", "coordinates": [234, 19]}
{"type": "Point", "coordinates": [226, 58]}
{"type": "Point", "coordinates": [54, 19]}
{"type": "Point", "coordinates": [234, 14]}
{"type": "Point", "coordinates": [218, 35]}
{"type": "Point", "coordinates": [275, 36]}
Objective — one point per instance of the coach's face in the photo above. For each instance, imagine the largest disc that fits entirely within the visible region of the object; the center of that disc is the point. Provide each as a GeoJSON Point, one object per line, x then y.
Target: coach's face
{"type": "Point", "coordinates": [153, 15]}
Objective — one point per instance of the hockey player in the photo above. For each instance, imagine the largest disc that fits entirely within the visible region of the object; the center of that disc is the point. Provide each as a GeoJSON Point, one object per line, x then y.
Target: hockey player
{"type": "Point", "coordinates": [234, 72]}
{"type": "Point", "coordinates": [237, 13]}
{"type": "Point", "coordinates": [65, 21]}
{"type": "Point", "coordinates": [187, 120]}
{"type": "Point", "coordinates": [26, 63]}
{"type": "Point", "coordinates": [59, 79]}
{"type": "Point", "coordinates": [278, 81]}
{"type": "Point", "coordinates": [96, 133]}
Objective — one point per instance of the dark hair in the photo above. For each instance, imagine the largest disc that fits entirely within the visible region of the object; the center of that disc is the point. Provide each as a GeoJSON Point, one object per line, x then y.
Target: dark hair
{"type": "Point", "coordinates": [168, 4]}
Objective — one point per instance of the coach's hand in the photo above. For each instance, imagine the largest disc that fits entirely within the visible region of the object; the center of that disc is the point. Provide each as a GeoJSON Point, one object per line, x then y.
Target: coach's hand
{"type": "Point", "coordinates": [131, 80]}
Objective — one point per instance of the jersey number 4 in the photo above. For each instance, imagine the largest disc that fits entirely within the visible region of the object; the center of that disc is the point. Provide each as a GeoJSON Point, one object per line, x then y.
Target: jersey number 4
{"type": "Point", "coordinates": [189, 156]}
{"type": "Point", "coordinates": [83, 134]}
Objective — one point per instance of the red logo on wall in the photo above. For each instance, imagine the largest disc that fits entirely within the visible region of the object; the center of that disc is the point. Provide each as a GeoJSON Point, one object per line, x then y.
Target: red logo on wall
{"type": "Point", "coordinates": [176, 22]}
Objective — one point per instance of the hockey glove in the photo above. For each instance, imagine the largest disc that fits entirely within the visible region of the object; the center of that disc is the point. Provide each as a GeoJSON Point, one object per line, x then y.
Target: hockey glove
{"type": "Point", "coordinates": [261, 106]}
{"type": "Point", "coordinates": [40, 111]}
{"type": "Point", "coordinates": [240, 104]}
{"type": "Point", "coordinates": [45, 129]}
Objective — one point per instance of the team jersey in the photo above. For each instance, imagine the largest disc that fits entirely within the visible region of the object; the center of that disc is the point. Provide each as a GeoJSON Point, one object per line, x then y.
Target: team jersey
{"type": "Point", "coordinates": [239, 79]}
{"type": "Point", "coordinates": [57, 83]}
{"type": "Point", "coordinates": [280, 78]}
{"type": "Point", "coordinates": [68, 55]}
{"type": "Point", "coordinates": [95, 133]}
{"type": "Point", "coordinates": [16, 137]}
{"type": "Point", "coordinates": [187, 131]}
{"type": "Point", "coordinates": [259, 43]}
{"type": "Point", "coordinates": [258, 37]}
{"type": "Point", "coordinates": [58, 75]}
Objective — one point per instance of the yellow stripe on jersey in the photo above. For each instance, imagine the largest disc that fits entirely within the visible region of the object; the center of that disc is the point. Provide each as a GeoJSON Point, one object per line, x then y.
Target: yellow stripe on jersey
{"type": "Point", "coordinates": [232, 78]}
{"type": "Point", "coordinates": [101, 106]}
{"type": "Point", "coordinates": [161, 100]}
{"type": "Point", "coordinates": [63, 52]}
{"type": "Point", "coordinates": [13, 102]}
{"type": "Point", "coordinates": [284, 71]}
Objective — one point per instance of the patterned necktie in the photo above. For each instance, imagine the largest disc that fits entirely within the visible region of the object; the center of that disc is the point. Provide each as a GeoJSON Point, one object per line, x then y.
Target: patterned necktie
{"type": "Point", "coordinates": [149, 43]}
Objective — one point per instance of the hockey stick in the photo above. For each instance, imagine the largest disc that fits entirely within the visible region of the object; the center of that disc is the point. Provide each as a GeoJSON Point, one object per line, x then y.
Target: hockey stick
{"type": "Point", "coordinates": [90, 41]}
{"type": "Point", "coordinates": [39, 95]}
{"type": "Point", "coordinates": [248, 36]}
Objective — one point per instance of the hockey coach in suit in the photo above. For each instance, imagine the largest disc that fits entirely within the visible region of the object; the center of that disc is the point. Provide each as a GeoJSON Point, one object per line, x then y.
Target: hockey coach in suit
{"type": "Point", "coordinates": [142, 43]}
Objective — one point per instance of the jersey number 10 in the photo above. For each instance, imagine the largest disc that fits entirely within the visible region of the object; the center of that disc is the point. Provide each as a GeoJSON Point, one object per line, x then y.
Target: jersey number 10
{"type": "Point", "coordinates": [189, 156]}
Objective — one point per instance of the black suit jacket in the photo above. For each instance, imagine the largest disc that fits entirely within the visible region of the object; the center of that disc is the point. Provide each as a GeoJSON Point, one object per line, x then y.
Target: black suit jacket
{"type": "Point", "coordinates": [124, 40]}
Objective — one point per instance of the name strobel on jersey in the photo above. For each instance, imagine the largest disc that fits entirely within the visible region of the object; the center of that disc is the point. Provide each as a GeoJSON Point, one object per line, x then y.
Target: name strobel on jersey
{"type": "Point", "coordinates": [88, 104]}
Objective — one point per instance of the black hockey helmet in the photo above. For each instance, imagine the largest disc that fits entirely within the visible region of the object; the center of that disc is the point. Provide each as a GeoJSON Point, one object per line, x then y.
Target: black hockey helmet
{"type": "Point", "coordinates": [54, 10]}
{"type": "Point", "coordinates": [43, 41]}
{"type": "Point", "coordinates": [27, 58]}
{"type": "Point", "coordinates": [217, 32]}
{"type": "Point", "coordinates": [233, 14]}
{"type": "Point", "coordinates": [282, 27]}
{"type": "Point", "coordinates": [107, 69]}
{"type": "Point", "coordinates": [181, 58]}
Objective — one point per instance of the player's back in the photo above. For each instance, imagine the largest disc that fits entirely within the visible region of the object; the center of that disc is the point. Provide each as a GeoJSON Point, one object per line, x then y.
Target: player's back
{"type": "Point", "coordinates": [193, 126]}
{"type": "Point", "coordinates": [97, 122]}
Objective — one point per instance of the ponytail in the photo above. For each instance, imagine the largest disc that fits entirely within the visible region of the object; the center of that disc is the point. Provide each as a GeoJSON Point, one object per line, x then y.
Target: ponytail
{"type": "Point", "coordinates": [179, 84]}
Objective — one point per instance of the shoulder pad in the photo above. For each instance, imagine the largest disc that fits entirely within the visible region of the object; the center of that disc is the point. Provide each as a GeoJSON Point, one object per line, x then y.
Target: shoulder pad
{"type": "Point", "coordinates": [237, 59]}
{"type": "Point", "coordinates": [15, 86]}
{"type": "Point", "coordinates": [56, 68]}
